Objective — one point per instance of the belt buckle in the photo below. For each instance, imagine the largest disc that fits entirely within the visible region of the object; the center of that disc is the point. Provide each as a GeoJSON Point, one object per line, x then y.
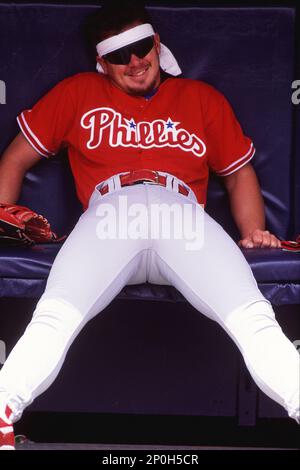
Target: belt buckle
{"type": "Point", "coordinates": [140, 176]}
{"type": "Point", "coordinates": [156, 177]}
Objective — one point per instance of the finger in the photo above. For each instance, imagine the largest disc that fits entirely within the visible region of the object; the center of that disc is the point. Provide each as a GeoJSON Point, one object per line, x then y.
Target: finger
{"type": "Point", "coordinates": [266, 239]}
{"type": "Point", "coordinates": [270, 241]}
{"type": "Point", "coordinates": [246, 243]}
{"type": "Point", "coordinates": [275, 242]}
{"type": "Point", "coordinates": [258, 238]}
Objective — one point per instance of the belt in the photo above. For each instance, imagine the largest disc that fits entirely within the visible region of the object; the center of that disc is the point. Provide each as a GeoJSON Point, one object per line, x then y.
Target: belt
{"type": "Point", "coordinates": [144, 176]}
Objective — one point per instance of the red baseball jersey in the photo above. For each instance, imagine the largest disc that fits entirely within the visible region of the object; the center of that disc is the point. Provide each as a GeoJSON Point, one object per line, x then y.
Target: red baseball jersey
{"type": "Point", "coordinates": [186, 128]}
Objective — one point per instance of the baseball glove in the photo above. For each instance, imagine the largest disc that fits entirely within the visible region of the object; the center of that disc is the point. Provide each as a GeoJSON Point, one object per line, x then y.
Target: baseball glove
{"type": "Point", "coordinates": [291, 245]}
{"type": "Point", "coordinates": [20, 225]}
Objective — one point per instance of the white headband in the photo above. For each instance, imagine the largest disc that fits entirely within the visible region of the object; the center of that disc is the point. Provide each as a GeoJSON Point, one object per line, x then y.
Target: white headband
{"type": "Point", "coordinates": [167, 61]}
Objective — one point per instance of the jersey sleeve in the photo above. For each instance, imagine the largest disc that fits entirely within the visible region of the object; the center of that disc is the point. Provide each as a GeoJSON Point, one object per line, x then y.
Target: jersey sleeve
{"type": "Point", "coordinates": [228, 148]}
{"type": "Point", "coordinates": [47, 124]}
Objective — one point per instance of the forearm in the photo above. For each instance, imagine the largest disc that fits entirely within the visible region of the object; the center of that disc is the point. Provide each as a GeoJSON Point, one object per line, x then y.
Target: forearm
{"type": "Point", "coordinates": [10, 182]}
{"type": "Point", "coordinates": [15, 161]}
{"type": "Point", "coordinates": [246, 202]}
{"type": "Point", "coordinates": [247, 207]}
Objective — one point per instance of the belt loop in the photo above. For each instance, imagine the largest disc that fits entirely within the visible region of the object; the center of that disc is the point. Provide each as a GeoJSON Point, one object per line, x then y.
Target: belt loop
{"type": "Point", "coordinates": [169, 181]}
{"type": "Point", "coordinates": [191, 195]}
{"type": "Point", "coordinates": [114, 183]}
{"type": "Point", "coordinates": [175, 185]}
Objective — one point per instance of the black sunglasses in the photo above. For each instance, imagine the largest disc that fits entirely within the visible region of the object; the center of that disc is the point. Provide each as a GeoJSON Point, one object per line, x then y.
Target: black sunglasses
{"type": "Point", "coordinates": [123, 55]}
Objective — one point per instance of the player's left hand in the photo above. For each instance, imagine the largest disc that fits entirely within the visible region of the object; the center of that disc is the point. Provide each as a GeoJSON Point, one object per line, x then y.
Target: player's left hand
{"type": "Point", "coordinates": [260, 239]}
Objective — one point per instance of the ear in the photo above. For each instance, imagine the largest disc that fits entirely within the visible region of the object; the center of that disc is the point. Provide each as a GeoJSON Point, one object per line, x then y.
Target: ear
{"type": "Point", "coordinates": [157, 42]}
{"type": "Point", "coordinates": [102, 62]}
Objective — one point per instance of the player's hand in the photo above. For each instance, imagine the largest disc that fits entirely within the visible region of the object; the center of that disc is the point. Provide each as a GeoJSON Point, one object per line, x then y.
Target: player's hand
{"type": "Point", "coordinates": [260, 239]}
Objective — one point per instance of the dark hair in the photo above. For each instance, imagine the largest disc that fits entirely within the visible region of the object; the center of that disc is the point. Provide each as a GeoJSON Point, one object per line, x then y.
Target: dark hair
{"type": "Point", "coordinates": [113, 17]}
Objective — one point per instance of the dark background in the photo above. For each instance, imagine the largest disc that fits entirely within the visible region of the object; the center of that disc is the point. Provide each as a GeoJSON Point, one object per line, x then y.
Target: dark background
{"type": "Point", "coordinates": [139, 429]}
{"type": "Point", "coordinates": [202, 3]}
{"type": "Point", "coordinates": [154, 429]}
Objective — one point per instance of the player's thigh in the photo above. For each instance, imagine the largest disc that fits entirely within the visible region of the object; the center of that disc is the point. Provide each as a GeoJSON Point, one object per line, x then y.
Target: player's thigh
{"type": "Point", "coordinates": [94, 261]}
{"type": "Point", "coordinates": [212, 272]}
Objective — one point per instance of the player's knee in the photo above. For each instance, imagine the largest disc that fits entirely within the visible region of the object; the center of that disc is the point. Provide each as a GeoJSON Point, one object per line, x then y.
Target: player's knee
{"type": "Point", "coordinates": [57, 314]}
{"type": "Point", "coordinates": [247, 321]}
{"type": "Point", "coordinates": [256, 312]}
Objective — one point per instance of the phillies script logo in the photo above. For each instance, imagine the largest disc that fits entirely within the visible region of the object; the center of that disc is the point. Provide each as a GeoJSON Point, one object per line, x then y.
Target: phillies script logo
{"type": "Point", "coordinates": [105, 123]}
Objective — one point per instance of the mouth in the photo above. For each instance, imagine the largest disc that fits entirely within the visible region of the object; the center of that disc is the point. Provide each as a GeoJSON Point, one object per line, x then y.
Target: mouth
{"type": "Point", "coordinates": [136, 74]}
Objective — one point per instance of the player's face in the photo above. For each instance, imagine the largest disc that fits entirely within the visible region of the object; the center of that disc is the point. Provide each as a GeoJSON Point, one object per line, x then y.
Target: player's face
{"type": "Point", "coordinates": [140, 75]}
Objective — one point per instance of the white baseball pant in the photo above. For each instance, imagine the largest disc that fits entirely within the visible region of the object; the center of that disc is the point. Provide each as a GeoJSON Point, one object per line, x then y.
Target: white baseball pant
{"type": "Point", "coordinates": [92, 267]}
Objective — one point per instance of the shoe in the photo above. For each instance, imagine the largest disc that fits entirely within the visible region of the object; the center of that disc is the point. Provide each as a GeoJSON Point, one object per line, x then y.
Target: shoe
{"type": "Point", "coordinates": [7, 438]}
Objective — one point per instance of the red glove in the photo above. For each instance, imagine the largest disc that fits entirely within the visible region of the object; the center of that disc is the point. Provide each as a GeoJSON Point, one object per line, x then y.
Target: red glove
{"type": "Point", "coordinates": [291, 245]}
{"type": "Point", "coordinates": [20, 225]}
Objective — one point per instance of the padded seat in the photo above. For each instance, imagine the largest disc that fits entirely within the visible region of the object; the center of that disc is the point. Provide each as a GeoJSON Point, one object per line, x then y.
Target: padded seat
{"type": "Point", "coordinates": [23, 272]}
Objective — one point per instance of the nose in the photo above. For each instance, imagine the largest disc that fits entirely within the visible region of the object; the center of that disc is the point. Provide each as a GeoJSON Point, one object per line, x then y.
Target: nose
{"type": "Point", "coordinates": [134, 60]}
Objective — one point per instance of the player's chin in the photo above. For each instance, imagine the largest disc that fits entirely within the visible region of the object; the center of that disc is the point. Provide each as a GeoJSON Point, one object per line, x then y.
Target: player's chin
{"type": "Point", "coordinates": [140, 87]}
{"type": "Point", "coordinates": [140, 84]}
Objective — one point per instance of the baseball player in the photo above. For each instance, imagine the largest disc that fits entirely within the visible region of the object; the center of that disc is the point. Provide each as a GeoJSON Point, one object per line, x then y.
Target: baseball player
{"type": "Point", "coordinates": [141, 141]}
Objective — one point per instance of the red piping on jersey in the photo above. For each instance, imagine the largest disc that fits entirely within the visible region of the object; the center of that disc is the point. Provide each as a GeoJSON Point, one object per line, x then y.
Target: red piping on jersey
{"type": "Point", "coordinates": [32, 138]}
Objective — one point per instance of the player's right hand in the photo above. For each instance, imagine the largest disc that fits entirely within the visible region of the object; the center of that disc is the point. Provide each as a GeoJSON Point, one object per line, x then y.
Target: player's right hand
{"type": "Point", "coordinates": [260, 239]}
